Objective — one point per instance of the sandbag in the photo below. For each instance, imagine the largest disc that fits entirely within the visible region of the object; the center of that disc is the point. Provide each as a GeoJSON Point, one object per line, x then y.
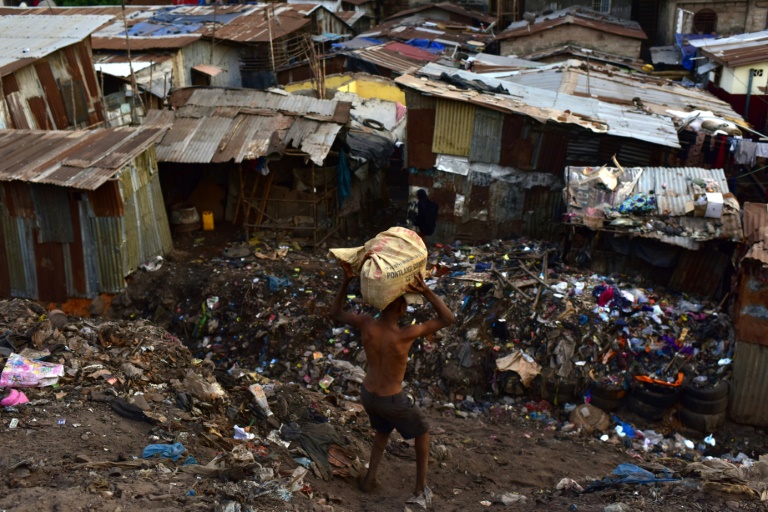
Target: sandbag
{"type": "Point", "coordinates": [387, 264]}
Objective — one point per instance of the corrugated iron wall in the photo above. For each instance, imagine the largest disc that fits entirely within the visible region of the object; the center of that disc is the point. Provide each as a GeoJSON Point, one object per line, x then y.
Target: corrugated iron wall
{"type": "Point", "coordinates": [65, 249]}
{"type": "Point", "coordinates": [33, 95]}
{"type": "Point", "coordinates": [701, 271]}
{"type": "Point", "coordinates": [749, 384]}
{"type": "Point", "coordinates": [486, 136]}
{"type": "Point", "coordinates": [454, 123]}
{"type": "Point", "coordinates": [752, 305]}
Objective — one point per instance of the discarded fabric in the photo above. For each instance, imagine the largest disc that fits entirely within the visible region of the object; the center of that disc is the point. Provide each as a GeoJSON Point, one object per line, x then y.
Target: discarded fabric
{"type": "Point", "coordinates": [169, 451]}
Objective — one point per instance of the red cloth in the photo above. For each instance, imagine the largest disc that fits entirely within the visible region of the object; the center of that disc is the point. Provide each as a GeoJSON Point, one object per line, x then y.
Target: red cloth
{"type": "Point", "coordinates": [605, 297]}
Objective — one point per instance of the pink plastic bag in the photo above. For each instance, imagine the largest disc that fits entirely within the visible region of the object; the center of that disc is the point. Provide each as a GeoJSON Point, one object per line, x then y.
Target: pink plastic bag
{"type": "Point", "coordinates": [20, 372]}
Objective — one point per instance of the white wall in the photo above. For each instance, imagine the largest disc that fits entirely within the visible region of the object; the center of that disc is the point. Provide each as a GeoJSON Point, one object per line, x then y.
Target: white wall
{"type": "Point", "coordinates": [735, 80]}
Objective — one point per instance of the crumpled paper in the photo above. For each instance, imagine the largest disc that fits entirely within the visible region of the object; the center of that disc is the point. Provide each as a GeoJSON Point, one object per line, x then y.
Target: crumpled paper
{"type": "Point", "coordinates": [522, 364]}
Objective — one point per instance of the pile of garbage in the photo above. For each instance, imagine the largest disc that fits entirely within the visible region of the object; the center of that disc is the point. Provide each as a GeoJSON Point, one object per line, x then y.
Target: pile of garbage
{"type": "Point", "coordinates": [528, 326]}
{"type": "Point", "coordinates": [145, 374]}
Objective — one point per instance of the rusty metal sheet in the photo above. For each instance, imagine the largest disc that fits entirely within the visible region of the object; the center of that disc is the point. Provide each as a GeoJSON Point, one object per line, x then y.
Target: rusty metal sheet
{"type": "Point", "coordinates": [700, 272]}
{"type": "Point", "coordinates": [52, 208]}
{"type": "Point", "coordinates": [52, 94]}
{"type": "Point", "coordinates": [17, 107]}
{"type": "Point", "coordinates": [18, 200]}
{"type": "Point", "coordinates": [109, 244]}
{"type": "Point", "coordinates": [10, 84]}
{"type": "Point", "coordinates": [20, 255]}
{"type": "Point", "coordinates": [551, 154]}
{"type": "Point", "coordinates": [51, 276]}
{"type": "Point", "coordinates": [75, 254]}
{"type": "Point", "coordinates": [421, 131]}
{"type": "Point", "coordinates": [756, 231]}
{"type": "Point", "coordinates": [511, 129]}
{"type": "Point", "coordinates": [576, 15]}
{"type": "Point", "coordinates": [5, 277]}
{"type": "Point", "coordinates": [76, 159]}
{"type": "Point", "coordinates": [86, 61]}
{"type": "Point", "coordinates": [749, 385]}
{"type": "Point", "coordinates": [743, 53]}
{"type": "Point", "coordinates": [144, 43]}
{"type": "Point", "coordinates": [752, 305]}
{"type": "Point", "coordinates": [454, 122]}
{"type": "Point", "coordinates": [106, 200]}
{"type": "Point", "coordinates": [40, 112]}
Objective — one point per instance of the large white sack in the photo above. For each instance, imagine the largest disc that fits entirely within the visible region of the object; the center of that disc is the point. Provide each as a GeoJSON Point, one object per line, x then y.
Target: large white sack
{"type": "Point", "coordinates": [387, 264]}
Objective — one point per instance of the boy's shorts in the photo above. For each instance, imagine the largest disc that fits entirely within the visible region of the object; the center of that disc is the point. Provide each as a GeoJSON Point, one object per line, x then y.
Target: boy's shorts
{"type": "Point", "coordinates": [388, 413]}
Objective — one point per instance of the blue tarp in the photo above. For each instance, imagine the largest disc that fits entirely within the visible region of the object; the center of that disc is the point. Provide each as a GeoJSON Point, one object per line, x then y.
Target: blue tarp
{"type": "Point", "coordinates": [426, 44]}
{"type": "Point", "coordinates": [689, 52]}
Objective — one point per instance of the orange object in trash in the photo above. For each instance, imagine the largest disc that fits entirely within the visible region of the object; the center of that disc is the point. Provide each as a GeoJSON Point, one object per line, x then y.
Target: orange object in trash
{"type": "Point", "coordinates": [649, 380]}
{"type": "Point", "coordinates": [207, 221]}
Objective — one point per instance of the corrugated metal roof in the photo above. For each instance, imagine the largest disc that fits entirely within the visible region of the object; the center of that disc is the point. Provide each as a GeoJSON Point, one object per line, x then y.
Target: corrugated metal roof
{"type": "Point", "coordinates": [738, 54]}
{"type": "Point", "coordinates": [263, 100]}
{"type": "Point", "coordinates": [738, 38]}
{"type": "Point", "coordinates": [576, 15]}
{"type": "Point", "coordinates": [756, 231]}
{"type": "Point", "coordinates": [656, 94]}
{"type": "Point", "coordinates": [78, 159]}
{"type": "Point", "coordinates": [391, 60]}
{"type": "Point", "coordinates": [144, 43]}
{"type": "Point", "coordinates": [591, 54]}
{"type": "Point", "coordinates": [23, 38]}
{"type": "Point", "coordinates": [214, 125]}
{"type": "Point", "coordinates": [170, 27]}
{"type": "Point", "coordinates": [448, 7]}
{"type": "Point", "coordinates": [543, 105]}
{"type": "Point", "coordinates": [674, 195]}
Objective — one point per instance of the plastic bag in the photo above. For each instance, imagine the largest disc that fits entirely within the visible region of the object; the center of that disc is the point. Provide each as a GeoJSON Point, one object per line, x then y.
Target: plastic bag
{"type": "Point", "coordinates": [20, 372]}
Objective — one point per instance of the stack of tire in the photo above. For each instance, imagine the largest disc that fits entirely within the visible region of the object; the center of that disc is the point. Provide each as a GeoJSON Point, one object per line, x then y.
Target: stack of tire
{"type": "Point", "coordinates": [650, 401]}
{"type": "Point", "coordinates": [704, 405]}
{"type": "Point", "coordinates": [605, 396]}
{"type": "Point", "coordinates": [556, 389]}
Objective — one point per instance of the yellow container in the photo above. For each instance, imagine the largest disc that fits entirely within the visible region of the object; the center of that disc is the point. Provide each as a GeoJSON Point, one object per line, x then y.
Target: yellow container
{"type": "Point", "coordinates": [207, 221]}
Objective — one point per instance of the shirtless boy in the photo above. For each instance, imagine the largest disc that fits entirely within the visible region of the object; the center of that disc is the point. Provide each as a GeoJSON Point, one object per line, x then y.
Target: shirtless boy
{"type": "Point", "coordinates": [386, 347]}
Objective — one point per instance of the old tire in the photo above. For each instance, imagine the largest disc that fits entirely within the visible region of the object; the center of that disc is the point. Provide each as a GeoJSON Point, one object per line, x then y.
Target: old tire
{"type": "Point", "coordinates": [605, 404]}
{"type": "Point", "coordinates": [645, 411]}
{"type": "Point", "coordinates": [660, 400]}
{"type": "Point", "coordinates": [607, 392]}
{"type": "Point", "coordinates": [709, 393]}
{"type": "Point", "coordinates": [705, 423]}
{"type": "Point", "coordinates": [372, 123]}
{"type": "Point", "coordinates": [705, 406]}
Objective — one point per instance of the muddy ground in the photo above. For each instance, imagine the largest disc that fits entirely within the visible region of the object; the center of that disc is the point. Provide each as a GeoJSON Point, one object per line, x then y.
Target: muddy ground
{"type": "Point", "coordinates": [92, 459]}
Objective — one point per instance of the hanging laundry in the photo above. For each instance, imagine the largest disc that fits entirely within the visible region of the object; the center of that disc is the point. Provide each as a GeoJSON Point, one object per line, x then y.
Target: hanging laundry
{"type": "Point", "coordinates": [746, 153]}
{"type": "Point", "coordinates": [762, 149]}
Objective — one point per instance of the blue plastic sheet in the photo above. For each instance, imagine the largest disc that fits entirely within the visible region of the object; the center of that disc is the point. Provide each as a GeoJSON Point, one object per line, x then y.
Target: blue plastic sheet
{"type": "Point", "coordinates": [689, 51]}
{"type": "Point", "coordinates": [169, 451]}
{"type": "Point", "coordinates": [426, 44]}
{"type": "Point", "coordinates": [277, 283]}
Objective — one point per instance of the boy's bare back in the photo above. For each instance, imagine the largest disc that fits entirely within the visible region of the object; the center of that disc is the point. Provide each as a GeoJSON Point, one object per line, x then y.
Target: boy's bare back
{"type": "Point", "coordinates": [386, 351]}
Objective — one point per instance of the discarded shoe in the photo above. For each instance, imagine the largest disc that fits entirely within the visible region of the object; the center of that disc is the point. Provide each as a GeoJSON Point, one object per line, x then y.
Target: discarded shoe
{"type": "Point", "coordinates": [424, 499]}
{"type": "Point", "coordinates": [15, 397]}
{"type": "Point", "coordinates": [130, 411]}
